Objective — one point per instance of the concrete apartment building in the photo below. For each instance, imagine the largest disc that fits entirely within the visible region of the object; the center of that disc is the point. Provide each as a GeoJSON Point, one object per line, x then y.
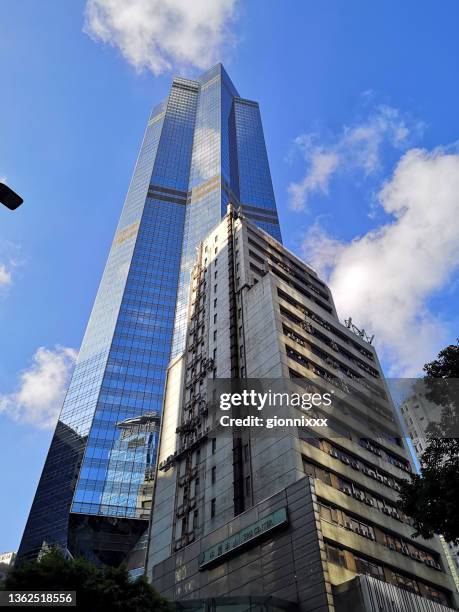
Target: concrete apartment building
{"type": "Point", "coordinates": [6, 563]}
{"type": "Point", "coordinates": [417, 413]}
{"type": "Point", "coordinates": [304, 518]}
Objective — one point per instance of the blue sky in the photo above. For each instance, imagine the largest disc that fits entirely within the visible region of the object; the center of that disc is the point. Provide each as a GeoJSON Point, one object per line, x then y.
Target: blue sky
{"type": "Point", "coordinates": [359, 104]}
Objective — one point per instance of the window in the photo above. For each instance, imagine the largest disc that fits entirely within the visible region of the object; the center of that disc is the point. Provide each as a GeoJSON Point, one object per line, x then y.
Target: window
{"type": "Point", "coordinates": [214, 475]}
{"type": "Point", "coordinates": [335, 555]}
{"type": "Point", "coordinates": [241, 350]}
{"type": "Point", "coordinates": [215, 317]}
{"type": "Point", "coordinates": [216, 250]}
{"type": "Point", "coordinates": [240, 331]}
{"type": "Point", "coordinates": [403, 581]}
{"type": "Point", "coordinates": [246, 452]}
{"type": "Point", "coordinates": [215, 303]}
{"type": "Point", "coordinates": [215, 335]}
{"type": "Point", "coordinates": [212, 508]}
{"type": "Point", "coordinates": [195, 519]}
{"type": "Point", "coordinates": [325, 513]}
{"type": "Point", "coordinates": [214, 445]}
{"type": "Point", "coordinates": [434, 594]}
{"type": "Point", "coordinates": [346, 486]}
{"type": "Point", "coordinates": [214, 356]}
{"type": "Point", "coordinates": [316, 472]}
{"type": "Point", "coordinates": [215, 288]}
{"type": "Point", "coordinates": [368, 567]}
{"type": "Point", "coordinates": [215, 273]}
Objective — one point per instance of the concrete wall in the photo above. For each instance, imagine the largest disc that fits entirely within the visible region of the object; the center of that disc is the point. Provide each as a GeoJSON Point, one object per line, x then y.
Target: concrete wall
{"type": "Point", "coordinates": [288, 563]}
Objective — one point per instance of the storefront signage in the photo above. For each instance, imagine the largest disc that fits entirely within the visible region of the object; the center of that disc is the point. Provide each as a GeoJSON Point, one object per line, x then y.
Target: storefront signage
{"type": "Point", "coordinates": [243, 537]}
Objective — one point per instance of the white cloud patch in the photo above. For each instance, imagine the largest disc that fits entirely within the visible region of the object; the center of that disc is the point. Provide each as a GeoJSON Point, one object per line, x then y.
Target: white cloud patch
{"type": "Point", "coordinates": [5, 275]}
{"type": "Point", "coordinates": [160, 35]}
{"type": "Point", "coordinates": [385, 278]}
{"type": "Point", "coordinates": [11, 259]}
{"type": "Point", "coordinates": [357, 148]}
{"type": "Point", "coordinates": [41, 389]}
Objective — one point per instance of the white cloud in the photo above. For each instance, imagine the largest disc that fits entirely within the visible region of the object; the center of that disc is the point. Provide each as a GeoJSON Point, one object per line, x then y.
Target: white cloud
{"type": "Point", "coordinates": [11, 259]}
{"type": "Point", "coordinates": [160, 35]}
{"type": "Point", "coordinates": [385, 278]}
{"type": "Point", "coordinates": [41, 389]}
{"type": "Point", "coordinates": [357, 148]}
{"type": "Point", "coordinates": [321, 166]}
{"type": "Point", "coordinates": [5, 275]}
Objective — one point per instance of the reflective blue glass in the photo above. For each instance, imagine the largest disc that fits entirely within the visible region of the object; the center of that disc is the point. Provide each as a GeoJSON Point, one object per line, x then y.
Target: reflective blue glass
{"type": "Point", "coordinates": [203, 147]}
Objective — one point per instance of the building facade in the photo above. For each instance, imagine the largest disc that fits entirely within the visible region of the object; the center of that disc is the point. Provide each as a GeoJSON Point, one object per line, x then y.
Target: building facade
{"type": "Point", "coordinates": [305, 516]}
{"type": "Point", "coordinates": [6, 563]}
{"type": "Point", "coordinates": [418, 413]}
{"type": "Point", "coordinates": [203, 146]}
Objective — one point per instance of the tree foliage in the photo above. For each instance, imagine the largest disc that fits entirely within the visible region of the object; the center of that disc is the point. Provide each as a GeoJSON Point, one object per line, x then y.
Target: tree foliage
{"type": "Point", "coordinates": [431, 497]}
{"type": "Point", "coordinates": [98, 589]}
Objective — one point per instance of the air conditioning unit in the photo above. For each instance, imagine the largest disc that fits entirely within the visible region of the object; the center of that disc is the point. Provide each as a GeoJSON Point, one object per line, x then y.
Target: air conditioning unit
{"type": "Point", "coordinates": [334, 454]}
{"type": "Point", "coordinates": [355, 465]}
{"type": "Point", "coordinates": [345, 460]}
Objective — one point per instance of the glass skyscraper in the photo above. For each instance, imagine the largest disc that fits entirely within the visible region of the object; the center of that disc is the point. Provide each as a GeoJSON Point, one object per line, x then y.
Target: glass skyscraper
{"type": "Point", "coordinates": [203, 148]}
